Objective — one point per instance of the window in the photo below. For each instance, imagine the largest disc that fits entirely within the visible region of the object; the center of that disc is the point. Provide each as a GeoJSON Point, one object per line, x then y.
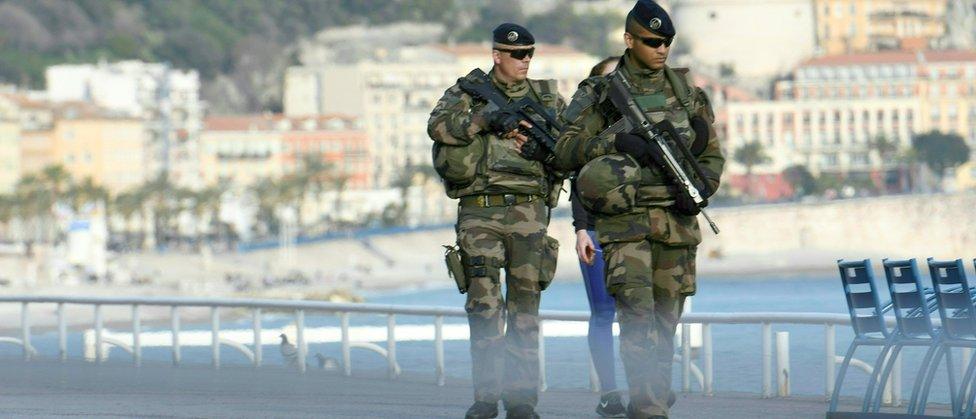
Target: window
{"type": "Point", "coordinates": [830, 160]}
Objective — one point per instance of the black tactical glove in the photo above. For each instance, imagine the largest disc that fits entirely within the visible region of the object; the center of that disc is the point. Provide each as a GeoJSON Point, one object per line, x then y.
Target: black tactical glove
{"type": "Point", "coordinates": [532, 150]}
{"type": "Point", "coordinates": [635, 146]}
{"type": "Point", "coordinates": [503, 121]}
{"type": "Point", "coordinates": [700, 127]}
{"type": "Point", "coordinates": [683, 204]}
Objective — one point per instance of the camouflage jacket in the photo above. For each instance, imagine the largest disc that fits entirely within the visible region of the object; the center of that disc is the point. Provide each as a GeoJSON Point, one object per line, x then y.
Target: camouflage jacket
{"type": "Point", "coordinates": [471, 160]}
{"type": "Point", "coordinates": [590, 112]}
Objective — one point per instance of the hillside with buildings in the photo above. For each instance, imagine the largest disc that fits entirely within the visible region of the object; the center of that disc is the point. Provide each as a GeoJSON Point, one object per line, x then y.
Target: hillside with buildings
{"type": "Point", "coordinates": [321, 124]}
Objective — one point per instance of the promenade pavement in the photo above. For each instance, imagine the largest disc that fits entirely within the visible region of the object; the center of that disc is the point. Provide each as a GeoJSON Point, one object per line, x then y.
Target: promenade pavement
{"type": "Point", "coordinates": [116, 389]}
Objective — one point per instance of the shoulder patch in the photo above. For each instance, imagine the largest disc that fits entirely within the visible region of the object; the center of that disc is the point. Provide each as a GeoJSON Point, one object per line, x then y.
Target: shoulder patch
{"type": "Point", "coordinates": [704, 103]}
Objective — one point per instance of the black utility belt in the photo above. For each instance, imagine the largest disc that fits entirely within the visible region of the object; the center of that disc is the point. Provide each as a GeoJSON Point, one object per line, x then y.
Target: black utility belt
{"type": "Point", "coordinates": [495, 200]}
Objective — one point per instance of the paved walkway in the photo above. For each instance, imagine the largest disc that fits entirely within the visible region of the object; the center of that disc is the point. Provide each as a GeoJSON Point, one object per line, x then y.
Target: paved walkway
{"type": "Point", "coordinates": [45, 388]}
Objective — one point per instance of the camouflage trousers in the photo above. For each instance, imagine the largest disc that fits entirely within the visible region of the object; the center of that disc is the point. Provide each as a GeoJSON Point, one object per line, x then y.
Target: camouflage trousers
{"type": "Point", "coordinates": [504, 331]}
{"type": "Point", "coordinates": [646, 279]}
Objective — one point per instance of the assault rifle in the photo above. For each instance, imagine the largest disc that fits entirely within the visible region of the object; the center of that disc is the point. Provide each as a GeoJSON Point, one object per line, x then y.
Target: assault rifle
{"type": "Point", "coordinates": [634, 121]}
{"type": "Point", "coordinates": [543, 123]}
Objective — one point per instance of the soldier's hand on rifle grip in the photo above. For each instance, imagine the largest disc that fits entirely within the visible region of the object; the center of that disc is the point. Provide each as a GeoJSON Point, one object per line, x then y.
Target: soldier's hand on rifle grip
{"type": "Point", "coordinates": [518, 135]}
{"type": "Point", "coordinates": [683, 204]}
{"type": "Point", "coordinates": [633, 145]}
{"type": "Point", "coordinates": [503, 122]}
{"type": "Point", "coordinates": [700, 127]}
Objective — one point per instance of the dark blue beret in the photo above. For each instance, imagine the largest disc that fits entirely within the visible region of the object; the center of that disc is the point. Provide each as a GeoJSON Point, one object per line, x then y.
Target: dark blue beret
{"type": "Point", "coordinates": [512, 34]}
{"type": "Point", "coordinates": [652, 17]}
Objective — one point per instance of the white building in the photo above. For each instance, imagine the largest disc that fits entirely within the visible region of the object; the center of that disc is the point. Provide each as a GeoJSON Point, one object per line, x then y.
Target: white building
{"type": "Point", "coordinates": [835, 106]}
{"type": "Point", "coordinates": [832, 135]}
{"type": "Point", "coordinates": [393, 91]}
{"type": "Point", "coordinates": [168, 99]}
{"type": "Point", "coordinates": [756, 39]}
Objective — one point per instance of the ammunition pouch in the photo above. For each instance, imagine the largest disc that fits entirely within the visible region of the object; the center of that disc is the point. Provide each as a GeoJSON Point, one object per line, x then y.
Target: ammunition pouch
{"type": "Point", "coordinates": [455, 269]}
{"type": "Point", "coordinates": [547, 266]}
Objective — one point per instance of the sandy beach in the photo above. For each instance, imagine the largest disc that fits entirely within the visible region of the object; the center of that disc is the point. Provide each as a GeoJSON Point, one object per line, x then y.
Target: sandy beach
{"type": "Point", "coordinates": [760, 240]}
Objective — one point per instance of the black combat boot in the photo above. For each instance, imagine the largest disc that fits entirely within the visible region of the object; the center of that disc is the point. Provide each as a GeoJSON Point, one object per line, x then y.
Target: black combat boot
{"type": "Point", "coordinates": [522, 411]}
{"type": "Point", "coordinates": [610, 406]}
{"type": "Point", "coordinates": [482, 410]}
{"type": "Point", "coordinates": [632, 413]}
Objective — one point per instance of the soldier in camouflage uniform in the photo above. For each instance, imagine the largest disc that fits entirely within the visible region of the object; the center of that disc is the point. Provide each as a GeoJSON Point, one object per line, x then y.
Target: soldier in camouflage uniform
{"type": "Point", "coordinates": [649, 233]}
{"type": "Point", "coordinates": [503, 214]}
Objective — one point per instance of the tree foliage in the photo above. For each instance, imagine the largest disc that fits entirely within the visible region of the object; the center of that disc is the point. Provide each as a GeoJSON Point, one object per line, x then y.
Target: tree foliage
{"type": "Point", "coordinates": [940, 151]}
{"type": "Point", "coordinates": [800, 179]}
{"type": "Point", "coordinates": [751, 154]}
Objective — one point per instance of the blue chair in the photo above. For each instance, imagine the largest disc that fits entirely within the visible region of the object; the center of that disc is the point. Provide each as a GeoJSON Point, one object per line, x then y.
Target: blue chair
{"type": "Point", "coordinates": [867, 317]}
{"type": "Point", "coordinates": [914, 328]}
{"type": "Point", "coordinates": [958, 315]}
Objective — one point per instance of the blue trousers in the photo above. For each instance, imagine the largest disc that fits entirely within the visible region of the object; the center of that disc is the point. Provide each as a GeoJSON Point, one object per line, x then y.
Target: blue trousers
{"type": "Point", "coordinates": [602, 311]}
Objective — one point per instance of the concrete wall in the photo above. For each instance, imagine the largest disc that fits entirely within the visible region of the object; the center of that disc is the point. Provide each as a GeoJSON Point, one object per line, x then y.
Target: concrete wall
{"type": "Point", "coordinates": [942, 226]}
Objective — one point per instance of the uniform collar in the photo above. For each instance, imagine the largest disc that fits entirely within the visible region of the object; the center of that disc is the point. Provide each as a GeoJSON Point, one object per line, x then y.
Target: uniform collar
{"type": "Point", "coordinates": [513, 90]}
{"type": "Point", "coordinates": [641, 76]}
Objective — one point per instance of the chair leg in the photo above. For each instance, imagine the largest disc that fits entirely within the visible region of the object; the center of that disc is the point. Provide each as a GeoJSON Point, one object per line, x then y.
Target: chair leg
{"type": "Point", "coordinates": [920, 380]}
{"type": "Point", "coordinates": [966, 393]}
{"type": "Point", "coordinates": [875, 372]}
{"type": "Point", "coordinates": [929, 373]}
{"type": "Point", "coordinates": [953, 390]}
{"type": "Point", "coordinates": [883, 378]}
{"type": "Point", "coordinates": [840, 376]}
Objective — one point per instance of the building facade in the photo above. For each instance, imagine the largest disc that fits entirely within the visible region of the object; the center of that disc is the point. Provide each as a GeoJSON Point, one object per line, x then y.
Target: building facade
{"type": "Point", "coordinates": [244, 149]}
{"type": "Point", "coordinates": [9, 154]}
{"type": "Point", "coordinates": [846, 26]}
{"type": "Point", "coordinates": [166, 98]}
{"type": "Point", "coordinates": [90, 143]}
{"type": "Point", "coordinates": [393, 91]}
{"type": "Point", "coordinates": [836, 107]}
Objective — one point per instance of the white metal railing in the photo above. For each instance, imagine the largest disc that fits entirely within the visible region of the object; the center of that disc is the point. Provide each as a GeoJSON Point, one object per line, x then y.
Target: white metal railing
{"type": "Point", "coordinates": [704, 375]}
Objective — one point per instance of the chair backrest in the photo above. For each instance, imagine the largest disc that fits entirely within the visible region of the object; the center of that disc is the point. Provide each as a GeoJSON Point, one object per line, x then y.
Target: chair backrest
{"type": "Point", "coordinates": [956, 309]}
{"type": "Point", "coordinates": [908, 298]}
{"type": "Point", "coordinates": [863, 299]}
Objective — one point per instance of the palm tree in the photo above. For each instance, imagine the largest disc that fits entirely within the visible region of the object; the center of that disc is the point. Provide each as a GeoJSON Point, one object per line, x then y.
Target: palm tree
{"type": "Point", "coordinates": [35, 204]}
{"type": "Point", "coordinates": [56, 181]}
{"type": "Point", "coordinates": [207, 202]}
{"type": "Point", "coordinates": [411, 175]}
{"type": "Point", "coordinates": [310, 178]}
{"type": "Point", "coordinates": [268, 193]}
{"type": "Point", "coordinates": [128, 204]}
{"type": "Point", "coordinates": [86, 192]}
{"type": "Point", "coordinates": [884, 147]}
{"type": "Point", "coordinates": [339, 182]}
{"type": "Point", "coordinates": [8, 208]}
{"type": "Point", "coordinates": [750, 154]}
{"type": "Point", "coordinates": [157, 194]}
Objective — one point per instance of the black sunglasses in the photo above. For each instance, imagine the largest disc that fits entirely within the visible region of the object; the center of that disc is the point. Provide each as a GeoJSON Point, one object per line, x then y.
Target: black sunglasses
{"type": "Point", "coordinates": [519, 54]}
{"type": "Point", "coordinates": [655, 42]}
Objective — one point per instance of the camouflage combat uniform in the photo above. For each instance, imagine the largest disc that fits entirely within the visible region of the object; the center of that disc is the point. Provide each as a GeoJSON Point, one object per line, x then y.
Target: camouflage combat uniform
{"type": "Point", "coordinates": [502, 220]}
{"type": "Point", "coordinates": [649, 249]}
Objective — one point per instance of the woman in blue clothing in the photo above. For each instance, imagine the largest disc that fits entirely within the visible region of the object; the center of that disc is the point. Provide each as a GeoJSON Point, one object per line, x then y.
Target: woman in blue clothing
{"type": "Point", "coordinates": [602, 311]}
